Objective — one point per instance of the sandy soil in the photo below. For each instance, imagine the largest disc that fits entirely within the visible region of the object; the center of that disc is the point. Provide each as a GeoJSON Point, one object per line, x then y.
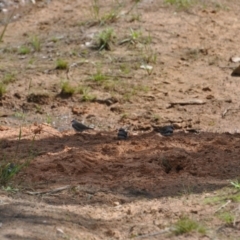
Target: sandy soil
{"type": "Point", "coordinates": [92, 185]}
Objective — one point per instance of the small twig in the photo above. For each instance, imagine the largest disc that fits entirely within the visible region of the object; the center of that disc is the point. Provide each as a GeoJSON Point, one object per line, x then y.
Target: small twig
{"type": "Point", "coordinates": [223, 206]}
{"type": "Point", "coordinates": [155, 234]}
{"type": "Point", "coordinates": [49, 191]}
{"type": "Point", "coordinates": [225, 112]}
{"type": "Point", "coordinates": [6, 25]}
{"type": "Point", "coordinates": [236, 215]}
{"type": "Point", "coordinates": [133, 6]}
{"type": "Point", "coordinates": [188, 102]}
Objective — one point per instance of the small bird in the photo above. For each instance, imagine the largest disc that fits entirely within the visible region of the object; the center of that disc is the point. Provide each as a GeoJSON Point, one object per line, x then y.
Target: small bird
{"type": "Point", "coordinates": [165, 131]}
{"type": "Point", "coordinates": [79, 127]}
{"type": "Point", "coordinates": [122, 134]}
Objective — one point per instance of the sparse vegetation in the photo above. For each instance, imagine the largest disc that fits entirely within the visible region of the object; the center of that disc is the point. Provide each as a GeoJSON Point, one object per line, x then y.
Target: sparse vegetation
{"type": "Point", "coordinates": [85, 91]}
{"type": "Point", "coordinates": [180, 3]}
{"type": "Point", "coordinates": [20, 115]}
{"type": "Point", "coordinates": [149, 56]}
{"type": "Point", "coordinates": [36, 43]}
{"type": "Point", "coordinates": [24, 50]}
{"type": "Point", "coordinates": [105, 38]}
{"type": "Point", "coordinates": [8, 20]}
{"type": "Point", "coordinates": [99, 76]}
{"type": "Point", "coordinates": [9, 78]}
{"type": "Point", "coordinates": [227, 217]}
{"type": "Point", "coordinates": [3, 89]}
{"type": "Point", "coordinates": [109, 18]}
{"type": "Point", "coordinates": [61, 64]}
{"type": "Point", "coordinates": [49, 119]}
{"type": "Point", "coordinates": [186, 225]}
{"type": "Point", "coordinates": [8, 171]}
{"type": "Point", "coordinates": [235, 184]}
{"type": "Point", "coordinates": [95, 7]}
{"type": "Point", "coordinates": [67, 89]}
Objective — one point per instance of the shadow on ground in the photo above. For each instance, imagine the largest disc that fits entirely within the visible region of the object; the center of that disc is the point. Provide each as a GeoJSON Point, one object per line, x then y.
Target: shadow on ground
{"type": "Point", "coordinates": [99, 168]}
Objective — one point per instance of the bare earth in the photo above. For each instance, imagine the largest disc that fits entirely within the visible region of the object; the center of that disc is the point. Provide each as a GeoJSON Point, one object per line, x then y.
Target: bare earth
{"type": "Point", "coordinates": [91, 185]}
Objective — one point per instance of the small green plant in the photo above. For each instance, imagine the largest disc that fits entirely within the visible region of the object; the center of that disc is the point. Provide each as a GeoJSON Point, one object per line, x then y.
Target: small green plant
{"type": "Point", "coordinates": [111, 85]}
{"type": "Point", "coordinates": [86, 95]}
{"type": "Point", "coordinates": [125, 68]}
{"type": "Point", "coordinates": [95, 7]}
{"type": "Point", "coordinates": [23, 50]}
{"type": "Point", "coordinates": [109, 18]}
{"type": "Point", "coordinates": [38, 108]}
{"type": "Point", "coordinates": [31, 61]}
{"type": "Point", "coordinates": [9, 78]}
{"type": "Point", "coordinates": [214, 200]}
{"type": "Point", "coordinates": [54, 39]}
{"type": "Point", "coordinates": [235, 184]}
{"type": "Point", "coordinates": [3, 89]}
{"type": "Point", "coordinates": [9, 189]}
{"type": "Point", "coordinates": [61, 64]}
{"type": "Point", "coordinates": [67, 89]}
{"type": "Point", "coordinates": [227, 217]}
{"type": "Point", "coordinates": [135, 17]}
{"type": "Point", "coordinates": [180, 3]}
{"type": "Point", "coordinates": [133, 38]}
{"type": "Point", "coordinates": [99, 76]}
{"type": "Point", "coordinates": [49, 119]}
{"type": "Point", "coordinates": [124, 116]}
{"type": "Point", "coordinates": [105, 38]}
{"type": "Point", "coordinates": [36, 43]}
{"type": "Point", "coordinates": [135, 35]}
{"type": "Point", "coordinates": [8, 171]}
{"type": "Point", "coordinates": [186, 225]}
{"type": "Point", "coordinates": [129, 94]}
{"type": "Point", "coordinates": [19, 115]}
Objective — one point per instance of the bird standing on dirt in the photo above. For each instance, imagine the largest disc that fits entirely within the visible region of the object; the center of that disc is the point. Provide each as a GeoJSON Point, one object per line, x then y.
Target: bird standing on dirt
{"type": "Point", "coordinates": [165, 131]}
{"type": "Point", "coordinates": [79, 127]}
{"type": "Point", "coordinates": [122, 134]}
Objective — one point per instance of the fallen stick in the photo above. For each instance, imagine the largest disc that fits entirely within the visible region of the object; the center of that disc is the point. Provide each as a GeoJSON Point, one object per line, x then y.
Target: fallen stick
{"type": "Point", "coordinates": [155, 234]}
{"type": "Point", "coordinates": [49, 191]}
{"type": "Point", "coordinates": [188, 102]}
{"type": "Point", "coordinates": [223, 206]}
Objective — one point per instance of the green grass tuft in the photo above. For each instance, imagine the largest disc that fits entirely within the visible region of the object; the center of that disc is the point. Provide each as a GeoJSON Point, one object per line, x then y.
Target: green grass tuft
{"type": "Point", "coordinates": [61, 64]}
{"type": "Point", "coordinates": [23, 50]}
{"type": "Point", "coordinates": [105, 38]}
{"type": "Point", "coordinates": [186, 225]}
{"type": "Point", "coordinates": [227, 217]}
{"type": "Point", "coordinates": [3, 89]}
{"type": "Point", "coordinates": [9, 78]}
{"type": "Point", "coordinates": [67, 89]}
{"type": "Point", "coordinates": [8, 171]}
{"type": "Point", "coordinates": [36, 43]}
{"type": "Point", "coordinates": [180, 3]}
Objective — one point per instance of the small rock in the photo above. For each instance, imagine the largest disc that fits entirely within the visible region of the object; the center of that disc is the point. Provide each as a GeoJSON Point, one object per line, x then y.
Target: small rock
{"type": "Point", "coordinates": [17, 95]}
{"type": "Point", "coordinates": [207, 89]}
{"type": "Point", "coordinates": [116, 204]}
{"type": "Point", "coordinates": [209, 97]}
{"type": "Point", "coordinates": [177, 126]}
{"type": "Point", "coordinates": [59, 230]}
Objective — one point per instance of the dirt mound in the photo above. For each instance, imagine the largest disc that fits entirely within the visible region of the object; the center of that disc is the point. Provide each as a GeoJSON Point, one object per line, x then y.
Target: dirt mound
{"type": "Point", "coordinates": [146, 163]}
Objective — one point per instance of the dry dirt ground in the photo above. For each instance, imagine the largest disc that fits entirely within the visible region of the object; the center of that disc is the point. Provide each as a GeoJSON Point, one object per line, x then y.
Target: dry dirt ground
{"type": "Point", "coordinates": [163, 65]}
